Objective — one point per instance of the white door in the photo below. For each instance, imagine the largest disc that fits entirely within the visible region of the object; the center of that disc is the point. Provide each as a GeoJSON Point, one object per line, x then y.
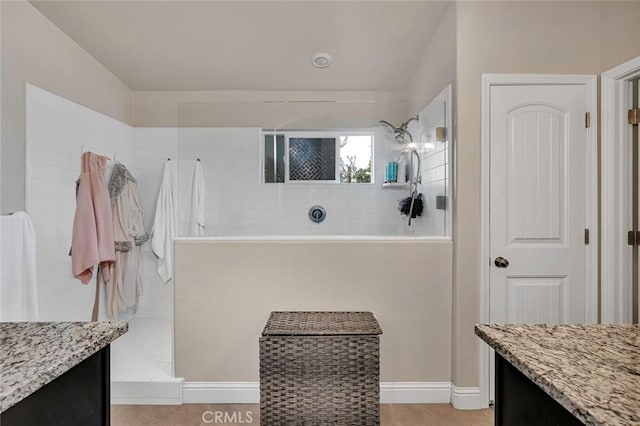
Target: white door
{"type": "Point", "coordinates": [537, 202]}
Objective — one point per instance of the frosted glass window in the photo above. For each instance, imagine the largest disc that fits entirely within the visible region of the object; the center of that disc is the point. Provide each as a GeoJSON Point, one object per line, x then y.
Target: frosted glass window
{"type": "Point", "coordinates": [317, 156]}
{"type": "Point", "coordinates": [312, 159]}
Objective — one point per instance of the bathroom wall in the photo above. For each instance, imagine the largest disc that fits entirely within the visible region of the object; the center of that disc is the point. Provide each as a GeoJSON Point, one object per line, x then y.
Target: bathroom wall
{"type": "Point", "coordinates": [515, 37]}
{"type": "Point", "coordinates": [437, 66]}
{"type": "Point", "coordinates": [34, 50]}
{"type": "Point", "coordinates": [201, 108]}
{"type": "Point", "coordinates": [620, 24]}
{"type": "Point", "coordinates": [57, 131]}
{"type": "Point", "coordinates": [435, 164]}
{"type": "Point", "coordinates": [239, 204]}
{"type": "Point", "coordinates": [226, 289]}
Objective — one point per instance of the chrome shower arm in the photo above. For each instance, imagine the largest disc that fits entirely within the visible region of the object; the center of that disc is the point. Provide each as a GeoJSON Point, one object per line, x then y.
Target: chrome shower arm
{"type": "Point", "coordinates": [401, 133]}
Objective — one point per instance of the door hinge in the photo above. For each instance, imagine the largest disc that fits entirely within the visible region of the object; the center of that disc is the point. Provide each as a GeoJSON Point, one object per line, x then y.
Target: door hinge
{"type": "Point", "coordinates": [633, 238]}
{"type": "Point", "coordinates": [586, 236]}
{"type": "Point", "coordinates": [587, 119]}
{"type": "Point", "coordinates": [634, 116]}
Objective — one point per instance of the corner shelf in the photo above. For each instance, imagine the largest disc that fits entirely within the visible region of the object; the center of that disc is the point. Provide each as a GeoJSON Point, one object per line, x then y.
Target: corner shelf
{"type": "Point", "coordinates": [396, 185]}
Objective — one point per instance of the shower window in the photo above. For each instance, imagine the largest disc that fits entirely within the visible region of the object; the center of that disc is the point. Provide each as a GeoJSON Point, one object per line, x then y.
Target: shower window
{"type": "Point", "coordinates": [273, 158]}
{"type": "Point", "coordinates": [317, 156]}
{"type": "Point", "coordinates": [312, 158]}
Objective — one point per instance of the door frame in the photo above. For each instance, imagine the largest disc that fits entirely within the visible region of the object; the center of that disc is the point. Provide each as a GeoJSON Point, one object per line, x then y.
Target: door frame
{"type": "Point", "coordinates": [488, 80]}
{"type": "Point", "coordinates": [614, 269]}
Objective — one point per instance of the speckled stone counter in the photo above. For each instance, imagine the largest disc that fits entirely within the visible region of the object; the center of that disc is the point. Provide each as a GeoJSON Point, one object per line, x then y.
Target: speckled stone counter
{"type": "Point", "coordinates": [591, 370]}
{"type": "Point", "coordinates": [33, 354]}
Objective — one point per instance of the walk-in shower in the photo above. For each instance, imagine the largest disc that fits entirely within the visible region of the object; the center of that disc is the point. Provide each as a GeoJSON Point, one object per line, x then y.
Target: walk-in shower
{"type": "Point", "coordinates": [267, 163]}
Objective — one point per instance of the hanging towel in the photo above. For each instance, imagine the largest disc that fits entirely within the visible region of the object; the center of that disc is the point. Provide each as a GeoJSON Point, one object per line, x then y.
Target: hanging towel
{"type": "Point", "coordinates": [92, 242]}
{"type": "Point", "coordinates": [165, 222]}
{"type": "Point", "coordinates": [18, 286]}
{"type": "Point", "coordinates": [195, 219]}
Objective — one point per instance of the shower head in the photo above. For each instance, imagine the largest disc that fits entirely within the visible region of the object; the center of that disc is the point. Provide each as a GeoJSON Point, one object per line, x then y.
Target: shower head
{"type": "Point", "coordinates": [391, 126]}
{"type": "Point", "coordinates": [401, 133]}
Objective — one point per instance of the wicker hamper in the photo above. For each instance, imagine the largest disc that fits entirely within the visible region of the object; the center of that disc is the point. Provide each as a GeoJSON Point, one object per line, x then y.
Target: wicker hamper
{"type": "Point", "coordinates": [320, 368]}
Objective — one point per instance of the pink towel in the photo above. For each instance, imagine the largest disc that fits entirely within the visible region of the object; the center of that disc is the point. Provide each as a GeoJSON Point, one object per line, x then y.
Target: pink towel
{"type": "Point", "coordinates": [92, 241]}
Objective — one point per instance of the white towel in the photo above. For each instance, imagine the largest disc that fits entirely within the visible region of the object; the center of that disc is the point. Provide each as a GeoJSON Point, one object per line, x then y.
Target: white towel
{"type": "Point", "coordinates": [192, 201]}
{"type": "Point", "coordinates": [165, 222]}
{"type": "Point", "coordinates": [18, 285]}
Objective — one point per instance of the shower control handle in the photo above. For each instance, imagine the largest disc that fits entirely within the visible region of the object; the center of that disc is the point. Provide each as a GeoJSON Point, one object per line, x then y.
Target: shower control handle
{"type": "Point", "coordinates": [501, 262]}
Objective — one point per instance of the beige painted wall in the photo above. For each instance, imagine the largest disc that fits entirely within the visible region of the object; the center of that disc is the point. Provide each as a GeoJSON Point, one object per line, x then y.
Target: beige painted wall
{"type": "Point", "coordinates": [164, 109]}
{"type": "Point", "coordinates": [225, 290]}
{"type": "Point", "coordinates": [35, 51]}
{"type": "Point", "coordinates": [515, 37]}
{"type": "Point", "coordinates": [620, 27]}
{"type": "Point", "coordinates": [437, 67]}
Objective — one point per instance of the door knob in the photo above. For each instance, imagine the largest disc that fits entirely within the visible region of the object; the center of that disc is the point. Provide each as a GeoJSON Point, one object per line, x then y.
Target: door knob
{"type": "Point", "coordinates": [501, 262]}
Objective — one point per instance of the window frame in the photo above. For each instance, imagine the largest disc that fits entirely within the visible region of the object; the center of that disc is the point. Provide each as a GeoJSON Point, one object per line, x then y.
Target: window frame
{"type": "Point", "coordinates": [311, 135]}
{"type": "Point", "coordinates": [333, 134]}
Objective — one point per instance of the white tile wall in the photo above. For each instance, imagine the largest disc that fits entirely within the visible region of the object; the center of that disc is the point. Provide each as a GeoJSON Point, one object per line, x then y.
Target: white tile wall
{"type": "Point", "coordinates": [434, 157]}
{"type": "Point", "coordinates": [238, 204]}
{"type": "Point", "coordinates": [57, 130]}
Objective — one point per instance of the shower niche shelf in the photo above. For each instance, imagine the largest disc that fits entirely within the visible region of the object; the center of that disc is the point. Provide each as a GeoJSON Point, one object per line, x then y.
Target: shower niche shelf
{"type": "Point", "coordinates": [396, 185]}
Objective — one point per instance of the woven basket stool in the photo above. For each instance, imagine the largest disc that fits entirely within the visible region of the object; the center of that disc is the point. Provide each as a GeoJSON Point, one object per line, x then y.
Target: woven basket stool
{"type": "Point", "coordinates": [320, 368]}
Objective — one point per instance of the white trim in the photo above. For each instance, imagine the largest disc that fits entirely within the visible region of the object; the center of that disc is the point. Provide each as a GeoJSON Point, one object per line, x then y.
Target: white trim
{"type": "Point", "coordinates": [415, 392]}
{"type": "Point", "coordinates": [485, 380]}
{"type": "Point", "coordinates": [615, 300]}
{"type": "Point", "coordinates": [467, 398]}
{"type": "Point", "coordinates": [390, 393]}
{"type": "Point", "coordinates": [591, 213]}
{"type": "Point", "coordinates": [221, 392]}
{"type": "Point", "coordinates": [176, 392]}
{"type": "Point", "coordinates": [164, 392]}
{"type": "Point", "coordinates": [488, 80]}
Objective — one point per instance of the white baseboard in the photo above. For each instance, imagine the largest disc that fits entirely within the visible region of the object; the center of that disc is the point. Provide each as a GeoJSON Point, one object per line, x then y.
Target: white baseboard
{"type": "Point", "coordinates": [221, 392]}
{"type": "Point", "coordinates": [165, 392]}
{"type": "Point", "coordinates": [176, 391]}
{"type": "Point", "coordinates": [415, 392]}
{"type": "Point", "coordinates": [466, 398]}
{"type": "Point", "coordinates": [249, 392]}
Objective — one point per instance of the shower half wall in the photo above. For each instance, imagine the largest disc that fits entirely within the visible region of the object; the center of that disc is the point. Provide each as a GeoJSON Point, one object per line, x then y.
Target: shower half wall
{"type": "Point", "coordinates": [226, 288]}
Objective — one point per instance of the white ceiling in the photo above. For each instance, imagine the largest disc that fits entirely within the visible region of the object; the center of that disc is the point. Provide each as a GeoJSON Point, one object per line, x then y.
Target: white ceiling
{"type": "Point", "coordinates": [262, 45]}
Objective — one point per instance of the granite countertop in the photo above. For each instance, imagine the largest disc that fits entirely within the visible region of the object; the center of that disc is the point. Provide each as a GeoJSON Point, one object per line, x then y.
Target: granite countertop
{"type": "Point", "coordinates": [591, 370]}
{"type": "Point", "coordinates": [33, 354]}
